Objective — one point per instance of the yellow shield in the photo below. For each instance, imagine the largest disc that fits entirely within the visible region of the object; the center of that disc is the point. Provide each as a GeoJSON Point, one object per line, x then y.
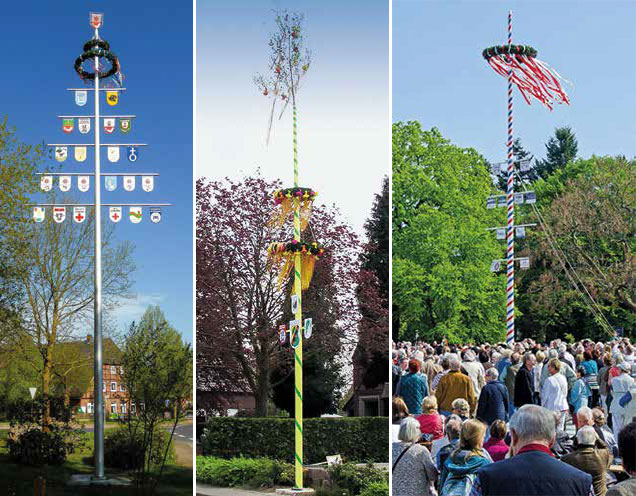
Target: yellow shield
{"type": "Point", "coordinates": [80, 153]}
{"type": "Point", "coordinates": [112, 97]}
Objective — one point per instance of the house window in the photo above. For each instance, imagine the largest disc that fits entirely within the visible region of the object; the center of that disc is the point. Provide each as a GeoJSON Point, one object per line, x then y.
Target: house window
{"type": "Point", "coordinates": [113, 408]}
{"type": "Point", "coordinates": [113, 369]}
{"type": "Point", "coordinates": [123, 408]}
{"type": "Point", "coordinates": [89, 408]}
{"type": "Point", "coordinates": [113, 387]}
{"type": "Point", "coordinates": [133, 408]}
{"type": "Point", "coordinates": [121, 370]}
{"type": "Point", "coordinates": [104, 387]}
{"type": "Point", "coordinates": [122, 388]}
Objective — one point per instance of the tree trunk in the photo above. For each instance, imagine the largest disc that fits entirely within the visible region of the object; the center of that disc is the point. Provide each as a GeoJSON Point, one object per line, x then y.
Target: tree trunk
{"type": "Point", "coordinates": [264, 386]}
{"type": "Point", "coordinates": [46, 387]}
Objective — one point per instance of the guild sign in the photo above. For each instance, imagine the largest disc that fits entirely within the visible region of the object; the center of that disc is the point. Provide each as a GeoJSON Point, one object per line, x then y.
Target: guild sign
{"type": "Point", "coordinates": [46, 183]}
{"type": "Point", "coordinates": [112, 97]}
{"type": "Point", "coordinates": [110, 183]}
{"type": "Point", "coordinates": [80, 153]}
{"type": "Point", "coordinates": [65, 183]}
{"type": "Point", "coordinates": [61, 153]}
{"type": "Point", "coordinates": [124, 125]}
{"type": "Point", "coordinates": [129, 183]}
{"type": "Point", "coordinates": [294, 331]}
{"type": "Point", "coordinates": [79, 214]}
{"type": "Point", "coordinates": [113, 153]}
{"type": "Point", "coordinates": [67, 125]}
{"type": "Point", "coordinates": [132, 153]}
{"type": "Point", "coordinates": [84, 125]}
{"type": "Point", "coordinates": [135, 215]}
{"type": "Point", "coordinates": [39, 214]}
{"type": "Point", "coordinates": [83, 183]}
{"type": "Point", "coordinates": [155, 215]}
{"type": "Point", "coordinates": [115, 214]}
{"type": "Point", "coordinates": [501, 233]}
{"type": "Point", "coordinates": [96, 19]}
{"type": "Point", "coordinates": [495, 266]}
{"type": "Point", "coordinates": [59, 214]}
{"type": "Point", "coordinates": [81, 97]}
{"type": "Point", "coordinates": [308, 328]}
{"type": "Point", "coordinates": [282, 335]}
{"type": "Point", "coordinates": [148, 183]}
{"type": "Point", "coordinates": [109, 125]}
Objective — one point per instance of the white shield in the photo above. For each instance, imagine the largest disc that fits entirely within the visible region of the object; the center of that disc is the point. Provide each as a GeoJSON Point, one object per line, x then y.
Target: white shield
{"type": "Point", "coordinates": [495, 266]}
{"type": "Point", "coordinates": [518, 198]}
{"type": "Point", "coordinates": [115, 214]}
{"type": "Point", "coordinates": [282, 334]}
{"type": "Point", "coordinates": [155, 215]}
{"type": "Point", "coordinates": [501, 233]}
{"type": "Point", "coordinates": [294, 304]}
{"type": "Point", "coordinates": [39, 214]}
{"type": "Point", "coordinates": [79, 214]}
{"type": "Point", "coordinates": [135, 215]}
{"type": "Point", "coordinates": [129, 183]}
{"type": "Point", "coordinates": [96, 20]}
{"type": "Point", "coordinates": [113, 153]}
{"type": "Point", "coordinates": [83, 183]}
{"type": "Point", "coordinates": [110, 182]}
{"type": "Point", "coordinates": [59, 214]}
{"type": "Point", "coordinates": [308, 328]}
{"type": "Point", "coordinates": [65, 183]}
{"type": "Point", "coordinates": [109, 125]}
{"type": "Point", "coordinates": [84, 125]}
{"type": "Point", "coordinates": [520, 232]}
{"type": "Point", "coordinates": [61, 152]}
{"type": "Point", "coordinates": [46, 183]}
{"type": "Point", "coordinates": [148, 183]}
{"type": "Point", "coordinates": [80, 97]}
{"type": "Point", "coordinates": [80, 153]}
{"type": "Point", "coordinates": [524, 263]}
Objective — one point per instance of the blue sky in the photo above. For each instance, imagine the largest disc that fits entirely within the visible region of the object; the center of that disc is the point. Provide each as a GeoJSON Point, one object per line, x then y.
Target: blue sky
{"type": "Point", "coordinates": [153, 41]}
{"type": "Point", "coordinates": [343, 104]}
{"type": "Point", "coordinates": [441, 79]}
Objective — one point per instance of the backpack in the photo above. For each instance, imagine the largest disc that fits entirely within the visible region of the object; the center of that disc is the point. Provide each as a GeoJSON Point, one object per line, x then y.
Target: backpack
{"type": "Point", "coordinates": [458, 485]}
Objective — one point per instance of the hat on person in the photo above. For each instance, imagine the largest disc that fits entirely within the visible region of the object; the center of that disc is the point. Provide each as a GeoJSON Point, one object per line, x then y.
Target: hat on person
{"type": "Point", "coordinates": [624, 366]}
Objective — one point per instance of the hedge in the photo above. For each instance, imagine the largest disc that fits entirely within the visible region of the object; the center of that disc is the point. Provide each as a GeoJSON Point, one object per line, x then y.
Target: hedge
{"type": "Point", "coordinates": [358, 439]}
{"type": "Point", "coordinates": [244, 472]}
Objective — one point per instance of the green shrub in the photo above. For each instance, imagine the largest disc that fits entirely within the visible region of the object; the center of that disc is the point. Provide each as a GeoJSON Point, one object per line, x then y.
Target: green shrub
{"type": "Point", "coordinates": [243, 472]}
{"type": "Point", "coordinates": [36, 447]}
{"type": "Point", "coordinates": [124, 450]}
{"type": "Point", "coordinates": [358, 439]}
{"type": "Point", "coordinates": [376, 489]}
{"type": "Point", "coordinates": [354, 478]}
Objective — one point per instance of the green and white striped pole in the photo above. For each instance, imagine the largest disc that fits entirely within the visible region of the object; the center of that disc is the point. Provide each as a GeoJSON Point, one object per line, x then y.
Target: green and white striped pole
{"type": "Point", "coordinates": [298, 351]}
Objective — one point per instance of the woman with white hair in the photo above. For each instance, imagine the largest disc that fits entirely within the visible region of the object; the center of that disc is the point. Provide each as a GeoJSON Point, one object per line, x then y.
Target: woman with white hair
{"type": "Point", "coordinates": [620, 386]}
{"type": "Point", "coordinates": [413, 471]}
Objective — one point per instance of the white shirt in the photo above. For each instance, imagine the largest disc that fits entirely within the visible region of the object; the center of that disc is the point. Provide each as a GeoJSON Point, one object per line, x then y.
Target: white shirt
{"type": "Point", "coordinates": [554, 395]}
{"type": "Point", "coordinates": [620, 385]}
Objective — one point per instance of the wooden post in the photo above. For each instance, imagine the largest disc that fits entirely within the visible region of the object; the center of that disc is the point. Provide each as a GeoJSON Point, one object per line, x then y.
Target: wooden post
{"type": "Point", "coordinates": [40, 486]}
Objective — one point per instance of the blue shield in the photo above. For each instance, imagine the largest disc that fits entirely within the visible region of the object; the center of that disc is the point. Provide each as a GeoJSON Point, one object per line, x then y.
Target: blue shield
{"type": "Point", "coordinates": [133, 153]}
{"type": "Point", "coordinates": [110, 183]}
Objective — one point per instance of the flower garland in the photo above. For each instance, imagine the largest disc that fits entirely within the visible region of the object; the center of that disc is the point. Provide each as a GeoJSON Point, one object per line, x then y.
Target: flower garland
{"type": "Point", "coordinates": [286, 253]}
{"type": "Point", "coordinates": [285, 199]}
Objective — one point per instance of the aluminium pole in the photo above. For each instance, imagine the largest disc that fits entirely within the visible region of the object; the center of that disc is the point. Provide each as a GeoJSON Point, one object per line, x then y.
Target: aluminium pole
{"type": "Point", "coordinates": [97, 335]}
{"type": "Point", "coordinates": [510, 203]}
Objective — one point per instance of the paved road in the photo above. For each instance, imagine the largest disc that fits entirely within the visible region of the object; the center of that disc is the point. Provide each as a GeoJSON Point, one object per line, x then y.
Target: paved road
{"type": "Point", "coordinates": [203, 490]}
{"type": "Point", "coordinates": [184, 432]}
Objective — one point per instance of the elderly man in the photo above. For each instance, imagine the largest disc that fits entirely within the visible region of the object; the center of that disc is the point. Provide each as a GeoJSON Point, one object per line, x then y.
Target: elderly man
{"type": "Point", "coordinates": [493, 401]}
{"type": "Point", "coordinates": [627, 452]}
{"type": "Point", "coordinates": [524, 382]}
{"type": "Point", "coordinates": [474, 370]}
{"type": "Point", "coordinates": [554, 394]}
{"type": "Point", "coordinates": [590, 459]}
{"type": "Point", "coordinates": [533, 470]}
{"type": "Point", "coordinates": [452, 386]}
{"type": "Point", "coordinates": [508, 377]}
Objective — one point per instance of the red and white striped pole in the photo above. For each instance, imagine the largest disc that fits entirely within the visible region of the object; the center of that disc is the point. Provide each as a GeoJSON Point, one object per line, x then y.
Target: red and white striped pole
{"type": "Point", "coordinates": [510, 203]}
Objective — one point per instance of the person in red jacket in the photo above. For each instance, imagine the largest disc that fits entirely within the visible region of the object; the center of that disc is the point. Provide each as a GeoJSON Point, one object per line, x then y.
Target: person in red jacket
{"type": "Point", "coordinates": [431, 422]}
{"type": "Point", "coordinates": [496, 446]}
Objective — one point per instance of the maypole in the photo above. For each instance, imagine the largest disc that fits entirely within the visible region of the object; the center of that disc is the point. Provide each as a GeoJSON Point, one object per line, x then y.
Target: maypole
{"type": "Point", "coordinates": [97, 49]}
{"type": "Point", "coordinates": [510, 204]}
{"type": "Point", "coordinates": [289, 62]}
{"type": "Point", "coordinates": [533, 78]}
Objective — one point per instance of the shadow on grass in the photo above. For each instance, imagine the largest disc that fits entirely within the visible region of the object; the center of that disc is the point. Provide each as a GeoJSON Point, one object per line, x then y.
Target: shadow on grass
{"type": "Point", "coordinates": [19, 480]}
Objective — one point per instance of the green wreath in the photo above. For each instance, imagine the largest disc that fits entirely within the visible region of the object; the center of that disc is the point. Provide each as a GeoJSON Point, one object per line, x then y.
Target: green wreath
{"type": "Point", "coordinates": [92, 49]}
{"type": "Point", "coordinates": [493, 51]}
{"type": "Point", "coordinates": [297, 192]}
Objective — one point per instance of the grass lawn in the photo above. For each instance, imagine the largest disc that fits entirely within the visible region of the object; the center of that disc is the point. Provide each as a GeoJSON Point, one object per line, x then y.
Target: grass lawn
{"type": "Point", "coordinates": [18, 480]}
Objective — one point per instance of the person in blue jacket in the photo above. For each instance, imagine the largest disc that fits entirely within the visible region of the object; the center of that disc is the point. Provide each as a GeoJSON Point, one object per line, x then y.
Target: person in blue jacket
{"type": "Point", "coordinates": [579, 393]}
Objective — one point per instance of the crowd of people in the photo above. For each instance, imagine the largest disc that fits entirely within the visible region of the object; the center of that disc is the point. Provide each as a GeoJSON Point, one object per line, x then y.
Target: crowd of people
{"type": "Point", "coordinates": [493, 419]}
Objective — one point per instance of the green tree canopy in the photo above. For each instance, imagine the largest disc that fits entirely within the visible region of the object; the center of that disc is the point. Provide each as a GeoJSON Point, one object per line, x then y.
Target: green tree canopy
{"type": "Point", "coordinates": [560, 150]}
{"type": "Point", "coordinates": [442, 285]}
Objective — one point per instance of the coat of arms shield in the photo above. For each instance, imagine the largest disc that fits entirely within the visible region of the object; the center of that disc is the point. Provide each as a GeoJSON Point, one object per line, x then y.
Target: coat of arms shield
{"type": "Point", "coordinates": [113, 153]}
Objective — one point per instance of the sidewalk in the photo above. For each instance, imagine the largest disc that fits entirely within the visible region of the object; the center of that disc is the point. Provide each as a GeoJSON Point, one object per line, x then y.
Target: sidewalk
{"type": "Point", "coordinates": [203, 490]}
